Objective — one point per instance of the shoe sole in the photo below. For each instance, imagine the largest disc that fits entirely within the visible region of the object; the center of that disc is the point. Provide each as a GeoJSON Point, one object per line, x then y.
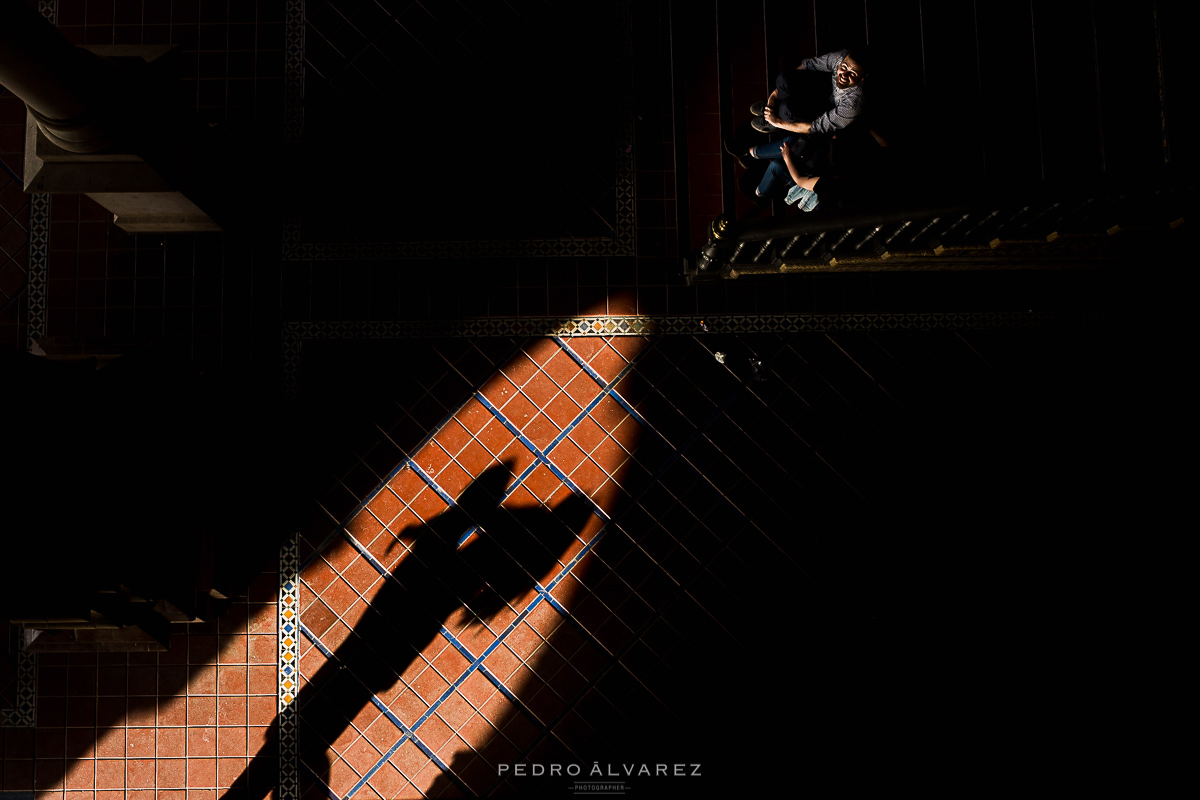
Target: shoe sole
{"type": "Point", "coordinates": [757, 109]}
{"type": "Point", "coordinates": [738, 157]}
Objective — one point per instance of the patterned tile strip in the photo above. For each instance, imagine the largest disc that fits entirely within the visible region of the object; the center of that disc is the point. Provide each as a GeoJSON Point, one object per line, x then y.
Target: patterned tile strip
{"type": "Point", "coordinates": [294, 333]}
{"type": "Point", "coordinates": [22, 714]}
{"type": "Point", "coordinates": [293, 55]}
{"type": "Point", "coordinates": [289, 664]}
{"type": "Point", "coordinates": [39, 265]}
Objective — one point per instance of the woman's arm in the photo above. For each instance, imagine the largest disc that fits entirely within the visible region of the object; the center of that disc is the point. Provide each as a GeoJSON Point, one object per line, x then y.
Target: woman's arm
{"type": "Point", "coordinates": [807, 181]}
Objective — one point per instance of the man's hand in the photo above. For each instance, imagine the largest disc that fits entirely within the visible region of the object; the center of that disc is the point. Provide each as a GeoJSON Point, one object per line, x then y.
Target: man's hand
{"type": "Point", "coordinates": [794, 127]}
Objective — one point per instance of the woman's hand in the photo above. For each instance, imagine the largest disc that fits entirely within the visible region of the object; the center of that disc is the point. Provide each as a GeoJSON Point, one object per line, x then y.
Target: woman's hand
{"type": "Point", "coordinates": [785, 151]}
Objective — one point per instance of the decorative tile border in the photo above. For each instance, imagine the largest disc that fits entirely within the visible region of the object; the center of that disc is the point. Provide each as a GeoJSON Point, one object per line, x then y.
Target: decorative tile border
{"type": "Point", "coordinates": [289, 667]}
{"type": "Point", "coordinates": [294, 333]}
{"type": "Point", "coordinates": [293, 104]}
{"type": "Point", "coordinates": [23, 714]}
{"type": "Point", "coordinates": [38, 266]}
{"type": "Point", "coordinates": [621, 243]}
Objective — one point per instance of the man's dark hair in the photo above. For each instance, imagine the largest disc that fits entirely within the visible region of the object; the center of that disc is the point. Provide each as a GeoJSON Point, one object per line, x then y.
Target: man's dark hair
{"type": "Point", "coordinates": [862, 57]}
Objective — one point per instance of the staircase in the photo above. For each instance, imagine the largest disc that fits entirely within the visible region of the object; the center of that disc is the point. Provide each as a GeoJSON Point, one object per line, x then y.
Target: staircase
{"type": "Point", "coordinates": [1023, 106]}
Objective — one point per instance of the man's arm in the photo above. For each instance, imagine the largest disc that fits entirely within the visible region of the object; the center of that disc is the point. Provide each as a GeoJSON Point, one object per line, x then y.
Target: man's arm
{"type": "Point", "coordinates": [848, 109]}
{"type": "Point", "coordinates": [826, 63]}
{"type": "Point", "coordinates": [794, 127]}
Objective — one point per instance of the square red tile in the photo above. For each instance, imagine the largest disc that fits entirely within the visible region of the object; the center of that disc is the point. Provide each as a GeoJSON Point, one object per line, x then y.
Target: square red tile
{"type": "Point", "coordinates": [473, 415]}
{"type": "Point", "coordinates": [264, 679]}
{"type": "Point", "coordinates": [542, 482]}
{"type": "Point", "coordinates": [342, 777]}
{"type": "Point", "coordinates": [361, 755]}
{"type": "Point", "coordinates": [139, 743]}
{"type": "Point", "coordinates": [170, 742]}
{"type": "Point", "coordinates": [202, 741]}
{"type": "Point", "coordinates": [172, 773]}
{"type": "Point", "coordinates": [257, 737]}
{"type": "Point", "coordinates": [340, 595]}
{"type": "Point", "coordinates": [450, 663]}
{"type": "Point", "coordinates": [561, 368]}
{"type": "Point", "coordinates": [231, 711]}
{"type": "Point", "coordinates": [455, 711]}
{"type": "Point", "coordinates": [261, 710]}
{"type": "Point", "coordinates": [201, 773]}
{"type": "Point", "coordinates": [583, 389]}
{"type": "Point", "coordinates": [430, 685]}
{"type": "Point", "coordinates": [408, 706]}
{"type": "Point", "coordinates": [432, 458]}
{"type": "Point", "coordinates": [498, 390]}
{"type": "Point", "coordinates": [233, 649]}
{"type": "Point", "coordinates": [502, 662]}
{"type": "Point", "coordinates": [454, 751]}
{"type": "Point", "coordinates": [382, 733]}
{"type": "Point", "coordinates": [587, 435]}
{"type": "Point", "coordinates": [541, 431]}
{"type": "Point", "coordinates": [519, 369]}
{"type": "Point", "coordinates": [80, 775]}
{"type": "Point", "coordinates": [567, 456]}
{"type": "Point", "coordinates": [229, 770]}
{"type": "Point", "coordinates": [139, 773]}
{"type": "Point", "coordinates": [263, 650]}
{"type": "Point", "coordinates": [453, 436]}
{"type": "Point", "coordinates": [171, 711]}
{"type": "Point", "coordinates": [519, 411]}
{"type": "Point", "coordinates": [478, 731]}
{"type": "Point", "coordinates": [540, 389]}
{"type": "Point", "coordinates": [385, 505]}
{"type": "Point", "coordinates": [406, 484]}
{"type": "Point", "coordinates": [409, 759]}
{"type": "Point", "coordinates": [608, 362]}
{"type": "Point", "coordinates": [454, 479]}
{"type": "Point", "coordinates": [609, 413]}
{"type": "Point", "coordinates": [364, 526]}
{"type": "Point", "coordinates": [562, 410]}
{"type": "Point", "coordinates": [388, 782]}
{"type": "Point", "coordinates": [434, 733]}
{"type": "Point", "coordinates": [231, 679]}
{"type": "Point", "coordinates": [495, 437]}
{"type": "Point", "coordinates": [628, 346]}
{"type": "Point", "coordinates": [428, 504]}
{"type": "Point", "coordinates": [109, 774]}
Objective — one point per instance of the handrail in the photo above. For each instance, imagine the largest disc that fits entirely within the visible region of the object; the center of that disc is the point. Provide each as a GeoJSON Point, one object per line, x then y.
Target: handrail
{"type": "Point", "coordinates": [949, 221]}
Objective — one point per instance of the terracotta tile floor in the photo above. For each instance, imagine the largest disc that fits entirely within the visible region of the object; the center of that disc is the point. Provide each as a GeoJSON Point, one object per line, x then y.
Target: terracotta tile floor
{"type": "Point", "coordinates": [145, 725]}
{"type": "Point", "coordinates": [601, 548]}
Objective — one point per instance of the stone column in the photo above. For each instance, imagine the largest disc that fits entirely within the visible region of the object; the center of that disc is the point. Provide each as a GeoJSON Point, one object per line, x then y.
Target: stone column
{"type": "Point", "coordinates": [101, 122]}
{"type": "Point", "coordinates": [64, 87]}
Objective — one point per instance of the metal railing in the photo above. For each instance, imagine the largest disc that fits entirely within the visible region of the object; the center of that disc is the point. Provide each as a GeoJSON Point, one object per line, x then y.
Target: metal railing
{"type": "Point", "coordinates": [1052, 228]}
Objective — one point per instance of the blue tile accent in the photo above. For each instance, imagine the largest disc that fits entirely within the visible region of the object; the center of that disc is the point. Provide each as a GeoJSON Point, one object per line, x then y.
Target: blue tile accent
{"type": "Point", "coordinates": [430, 482]}
{"type": "Point", "coordinates": [540, 456]}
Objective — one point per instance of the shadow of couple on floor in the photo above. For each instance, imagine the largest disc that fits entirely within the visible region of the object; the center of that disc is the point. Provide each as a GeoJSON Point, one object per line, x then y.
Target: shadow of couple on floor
{"type": "Point", "coordinates": [510, 552]}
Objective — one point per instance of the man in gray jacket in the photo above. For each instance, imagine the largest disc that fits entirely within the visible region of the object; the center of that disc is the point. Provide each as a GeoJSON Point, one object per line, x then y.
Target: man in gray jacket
{"type": "Point", "coordinates": [800, 104]}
